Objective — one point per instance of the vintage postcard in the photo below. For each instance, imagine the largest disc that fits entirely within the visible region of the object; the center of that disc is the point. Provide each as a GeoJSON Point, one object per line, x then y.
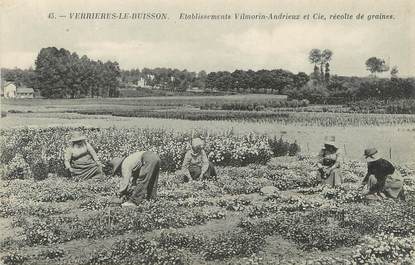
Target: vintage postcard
{"type": "Point", "coordinates": [207, 132]}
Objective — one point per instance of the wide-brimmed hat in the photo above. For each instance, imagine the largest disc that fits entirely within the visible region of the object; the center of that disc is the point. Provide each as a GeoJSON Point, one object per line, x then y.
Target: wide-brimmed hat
{"type": "Point", "coordinates": [197, 142]}
{"type": "Point", "coordinates": [116, 163]}
{"type": "Point", "coordinates": [330, 140]}
{"type": "Point", "coordinates": [370, 152]}
{"type": "Point", "coordinates": [76, 137]}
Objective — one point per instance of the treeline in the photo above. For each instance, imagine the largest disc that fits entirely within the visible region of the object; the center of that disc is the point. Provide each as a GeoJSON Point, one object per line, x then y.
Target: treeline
{"type": "Point", "coordinates": [59, 73]}
{"type": "Point", "coordinates": [164, 78]}
{"type": "Point", "coordinates": [238, 81]}
{"type": "Point", "coordinates": [328, 90]}
{"type": "Point", "coordinates": [277, 81]}
{"type": "Point", "coordinates": [25, 78]}
{"type": "Point", "coordinates": [342, 89]}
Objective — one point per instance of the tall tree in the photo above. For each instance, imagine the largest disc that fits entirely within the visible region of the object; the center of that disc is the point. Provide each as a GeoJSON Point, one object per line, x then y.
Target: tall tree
{"type": "Point", "coordinates": [376, 65]}
{"type": "Point", "coordinates": [51, 72]}
{"type": "Point", "coordinates": [315, 57]}
{"type": "Point", "coordinates": [325, 59]}
{"type": "Point", "coordinates": [321, 58]}
{"type": "Point", "coordinates": [201, 79]}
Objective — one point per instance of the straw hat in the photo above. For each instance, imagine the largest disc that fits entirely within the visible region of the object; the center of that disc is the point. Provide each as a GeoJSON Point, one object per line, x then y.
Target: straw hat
{"type": "Point", "coordinates": [116, 163]}
{"type": "Point", "coordinates": [197, 142]}
{"type": "Point", "coordinates": [330, 140]}
{"type": "Point", "coordinates": [370, 152]}
{"type": "Point", "coordinates": [76, 137]}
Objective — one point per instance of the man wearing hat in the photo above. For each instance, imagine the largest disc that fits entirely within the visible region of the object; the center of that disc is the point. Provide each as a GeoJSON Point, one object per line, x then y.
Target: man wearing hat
{"type": "Point", "coordinates": [80, 158]}
{"type": "Point", "coordinates": [381, 178]}
{"type": "Point", "coordinates": [329, 163]}
{"type": "Point", "coordinates": [196, 164]}
{"type": "Point", "coordinates": [139, 172]}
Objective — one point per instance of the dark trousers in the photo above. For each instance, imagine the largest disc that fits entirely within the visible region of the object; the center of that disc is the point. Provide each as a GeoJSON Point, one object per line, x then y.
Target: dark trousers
{"type": "Point", "coordinates": [147, 179]}
{"type": "Point", "coordinates": [195, 172]}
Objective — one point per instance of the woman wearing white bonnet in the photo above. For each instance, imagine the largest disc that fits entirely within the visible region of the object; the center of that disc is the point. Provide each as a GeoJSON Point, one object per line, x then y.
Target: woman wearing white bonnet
{"type": "Point", "coordinates": [329, 163]}
{"type": "Point", "coordinates": [196, 165]}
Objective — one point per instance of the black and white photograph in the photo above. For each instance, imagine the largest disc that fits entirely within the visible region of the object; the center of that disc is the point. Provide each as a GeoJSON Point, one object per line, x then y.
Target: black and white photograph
{"type": "Point", "coordinates": [207, 132]}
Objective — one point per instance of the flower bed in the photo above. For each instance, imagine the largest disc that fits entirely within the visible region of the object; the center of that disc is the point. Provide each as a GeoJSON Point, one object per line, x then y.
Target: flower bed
{"type": "Point", "coordinates": [115, 221]}
{"type": "Point", "coordinates": [38, 149]}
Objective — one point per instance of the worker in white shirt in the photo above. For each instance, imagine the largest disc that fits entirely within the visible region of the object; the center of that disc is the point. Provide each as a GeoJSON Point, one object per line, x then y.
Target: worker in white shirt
{"type": "Point", "coordinates": [139, 172]}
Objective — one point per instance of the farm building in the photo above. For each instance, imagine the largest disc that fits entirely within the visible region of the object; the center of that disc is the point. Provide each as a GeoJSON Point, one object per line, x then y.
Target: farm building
{"type": "Point", "coordinates": [10, 90]}
{"type": "Point", "coordinates": [143, 83]}
{"type": "Point", "coordinates": [25, 92]}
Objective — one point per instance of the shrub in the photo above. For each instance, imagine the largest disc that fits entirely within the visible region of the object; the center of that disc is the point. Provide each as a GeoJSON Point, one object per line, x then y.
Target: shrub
{"type": "Point", "coordinates": [278, 146]}
{"type": "Point", "coordinates": [294, 149]}
{"type": "Point", "coordinates": [17, 168]}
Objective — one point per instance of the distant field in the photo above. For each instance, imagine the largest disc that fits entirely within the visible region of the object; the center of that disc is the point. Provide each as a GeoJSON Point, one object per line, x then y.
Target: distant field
{"type": "Point", "coordinates": [394, 135]}
{"type": "Point", "coordinates": [8, 104]}
{"type": "Point", "coordinates": [191, 108]}
{"type": "Point", "coordinates": [399, 139]}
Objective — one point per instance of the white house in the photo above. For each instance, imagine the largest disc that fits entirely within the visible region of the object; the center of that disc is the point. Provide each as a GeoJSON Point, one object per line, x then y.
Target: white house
{"type": "Point", "coordinates": [142, 83]}
{"type": "Point", "coordinates": [9, 90]}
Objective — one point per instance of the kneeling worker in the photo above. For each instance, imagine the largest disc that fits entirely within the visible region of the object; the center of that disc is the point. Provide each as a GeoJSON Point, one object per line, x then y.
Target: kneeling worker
{"type": "Point", "coordinates": [196, 165]}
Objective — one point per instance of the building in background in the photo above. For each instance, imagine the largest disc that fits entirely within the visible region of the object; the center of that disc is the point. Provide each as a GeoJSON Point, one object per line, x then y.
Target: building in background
{"type": "Point", "coordinates": [25, 92]}
{"type": "Point", "coordinates": [8, 90]}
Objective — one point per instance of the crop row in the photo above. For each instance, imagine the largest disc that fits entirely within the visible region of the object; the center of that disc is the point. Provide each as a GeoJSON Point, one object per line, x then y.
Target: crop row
{"type": "Point", "coordinates": [284, 117]}
{"type": "Point", "coordinates": [114, 221]}
{"type": "Point", "coordinates": [42, 149]}
{"type": "Point", "coordinates": [404, 106]}
{"type": "Point", "coordinates": [332, 227]}
{"type": "Point", "coordinates": [257, 106]}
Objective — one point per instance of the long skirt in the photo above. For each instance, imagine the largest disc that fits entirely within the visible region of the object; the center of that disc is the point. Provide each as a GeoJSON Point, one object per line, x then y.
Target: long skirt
{"type": "Point", "coordinates": [392, 186]}
{"type": "Point", "coordinates": [85, 167]}
{"type": "Point", "coordinates": [147, 179]}
{"type": "Point", "coordinates": [334, 178]}
{"type": "Point", "coordinates": [196, 170]}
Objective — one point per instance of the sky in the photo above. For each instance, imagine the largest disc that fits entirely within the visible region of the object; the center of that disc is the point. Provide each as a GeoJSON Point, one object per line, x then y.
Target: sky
{"type": "Point", "coordinates": [213, 45]}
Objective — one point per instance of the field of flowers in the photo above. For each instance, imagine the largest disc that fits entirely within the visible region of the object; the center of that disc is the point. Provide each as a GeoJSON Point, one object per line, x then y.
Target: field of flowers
{"type": "Point", "coordinates": [265, 207]}
{"type": "Point", "coordinates": [38, 152]}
